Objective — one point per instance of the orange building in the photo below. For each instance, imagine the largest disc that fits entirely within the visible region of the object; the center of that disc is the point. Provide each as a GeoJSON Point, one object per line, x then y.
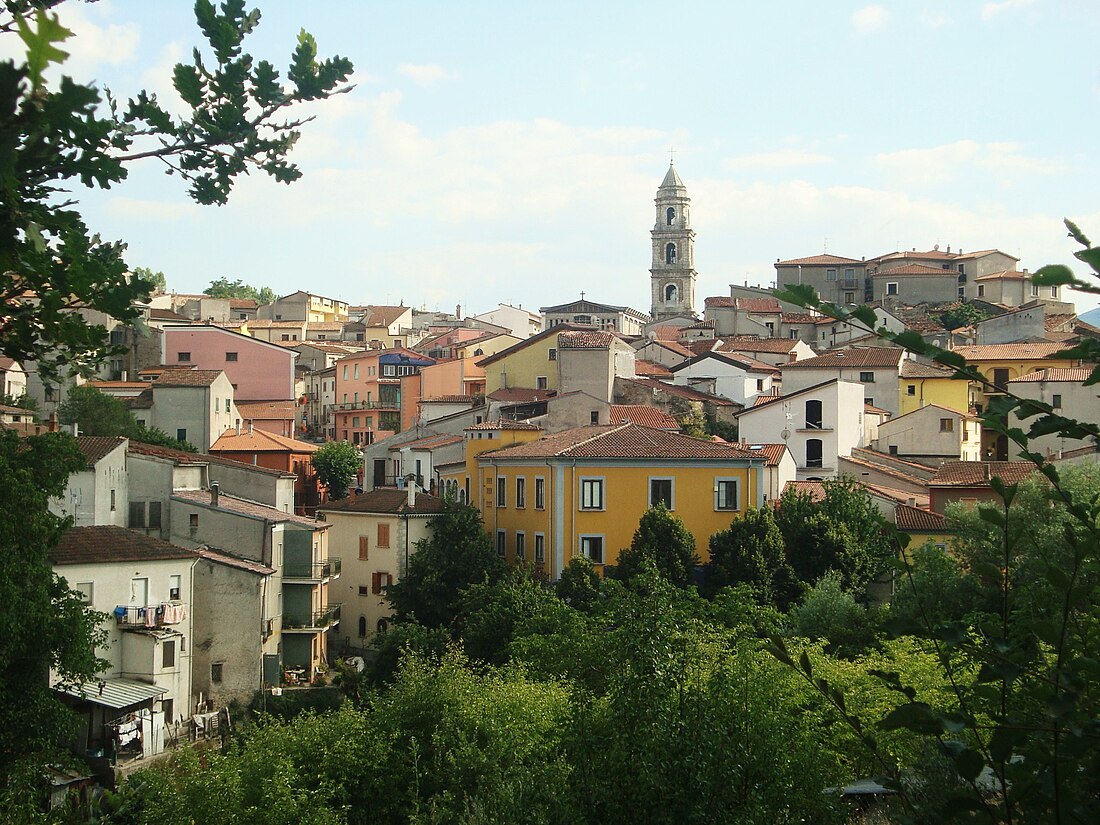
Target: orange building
{"type": "Point", "coordinates": [368, 403]}
{"type": "Point", "coordinates": [276, 452]}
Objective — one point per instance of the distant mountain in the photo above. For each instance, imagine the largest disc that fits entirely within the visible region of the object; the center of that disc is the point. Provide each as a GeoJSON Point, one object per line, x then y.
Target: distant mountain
{"type": "Point", "coordinates": [1091, 317]}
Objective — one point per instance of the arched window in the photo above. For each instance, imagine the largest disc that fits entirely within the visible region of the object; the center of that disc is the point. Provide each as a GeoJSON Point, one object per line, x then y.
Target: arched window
{"type": "Point", "coordinates": [362, 626]}
{"type": "Point", "coordinates": [670, 253]}
{"type": "Point", "coordinates": [383, 625]}
{"type": "Point", "coordinates": [813, 415]}
{"type": "Point", "coordinates": [813, 452]}
{"type": "Point", "coordinates": [461, 496]}
{"type": "Point", "coordinates": [671, 294]}
{"type": "Point", "coordinates": [670, 216]}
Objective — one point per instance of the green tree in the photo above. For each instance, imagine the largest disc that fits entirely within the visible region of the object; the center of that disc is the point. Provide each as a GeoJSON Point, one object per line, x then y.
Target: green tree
{"type": "Point", "coordinates": [224, 288]}
{"type": "Point", "coordinates": [23, 402]}
{"type": "Point", "coordinates": [694, 423]}
{"type": "Point", "coordinates": [964, 315]}
{"type": "Point", "coordinates": [752, 552]}
{"type": "Point", "coordinates": [579, 584]}
{"type": "Point", "coordinates": [63, 135]}
{"type": "Point", "coordinates": [455, 555]}
{"type": "Point", "coordinates": [336, 464]}
{"type": "Point", "coordinates": [95, 413]}
{"type": "Point", "coordinates": [832, 614]}
{"type": "Point", "coordinates": [661, 540]}
{"type": "Point", "coordinates": [266, 295]}
{"type": "Point", "coordinates": [494, 612]}
{"type": "Point", "coordinates": [157, 279]}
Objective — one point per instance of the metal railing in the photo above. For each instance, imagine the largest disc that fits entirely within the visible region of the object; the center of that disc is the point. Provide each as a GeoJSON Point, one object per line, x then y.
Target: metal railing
{"type": "Point", "coordinates": [315, 620]}
{"type": "Point", "coordinates": [393, 404]}
{"type": "Point", "coordinates": [313, 571]}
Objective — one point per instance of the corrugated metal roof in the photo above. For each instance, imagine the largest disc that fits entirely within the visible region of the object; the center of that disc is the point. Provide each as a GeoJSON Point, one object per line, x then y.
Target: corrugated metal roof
{"type": "Point", "coordinates": [115, 692]}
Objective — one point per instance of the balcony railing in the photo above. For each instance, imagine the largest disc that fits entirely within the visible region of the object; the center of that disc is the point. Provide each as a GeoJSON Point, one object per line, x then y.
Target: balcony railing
{"type": "Point", "coordinates": [312, 571]}
{"type": "Point", "coordinates": [155, 615]}
{"type": "Point", "coordinates": [393, 404]}
{"type": "Point", "coordinates": [315, 620]}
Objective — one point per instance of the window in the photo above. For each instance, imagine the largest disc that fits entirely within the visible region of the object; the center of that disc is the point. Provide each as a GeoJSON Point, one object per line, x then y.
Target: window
{"type": "Point", "coordinates": [813, 414]}
{"type": "Point", "coordinates": [167, 706]}
{"type": "Point", "coordinates": [1000, 379]}
{"type": "Point", "coordinates": [85, 589]}
{"type": "Point", "coordinates": [594, 417]}
{"type": "Point", "coordinates": [284, 337]}
{"type": "Point", "coordinates": [502, 491]}
{"type": "Point", "coordinates": [981, 290]}
{"type": "Point", "coordinates": [1056, 401]}
{"type": "Point", "coordinates": [540, 547]}
{"type": "Point", "coordinates": [355, 371]}
{"type": "Point", "coordinates": [540, 493]}
{"type": "Point", "coordinates": [867, 377]}
{"type": "Point", "coordinates": [893, 449]}
{"type": "Point", "coordinates": [670, 254]}
{"type": "Point", "coordinates": [175, 585]}
{"type": "Point", "coordinates": [849, 274]}
{"type": "Point", "coordinates": [947, 425]}
{"type": "Point", "coordinates": [521, 548]}
{"type": "Point", "coordinates": [379, 581]}
{"type": "Point", "coordinates": [592, 548]}
{"type": "Point", "coordinates": [383, 535]}
{"type": "Point", "coordinates": [231, 356]}
{"type": "Point", "coordinates": [193, 521]}
{"type": "Point", "coordinates": [911, 389]}
{"type": "Point", "coordinates": [830, 274]}
{"type": "Point", "coordinates": [660, 492]}
{"type": "Point", "coordinates": [725, 494]}
{"type": "Point", "coordinates": [552, 354]}
{"type": "Point", "coordinates": [849, 297]}
{"type": "Point", "coordinates": [521, 492]}
{"type": "Point", "coordinates": [793, 333]}
{"type": "Point", "coordinates": [670, 216]}
{"type": "Point", "coordinates": [364, 590]}
{"type": "Point", "coordinates": [228, 402]}
{"type": "Point", "coordinates": [355, 421]}
{"type": "Point", "coordinates": [345, 377]}
{"type": "Point", "coordinates": [1034, 290]}
{"type": "Point", "coordinates": [502, 540]}
{"type": "Point", "coordinates": [137, 514]}
{"type": "Point", "coordinates": [364, 548]}
{"type": "Point", "coordinates": [671, 294]}
{"type": "Point", "coordinates": [217, 672]}
{"type": "Point", "coordinates": [168, 654]}
{"type": "Point", "coordinates": [1054, 292]}
{"type": "Point", "coordinates": [870, 402]}
{"type": "Point", "coordinates": [183, 357]}
{"type": "Point", "coordinates": [362, 626]}
{"type": "Point", "coordinates": [541, 383]}
{"type": "Point", "coordinates": [181, 434]}
{"type": "Point", "coordinates": [892, 288]}
{"type": "Point", "coordinates": [813, 452]}
{"type": "Point", "coordinates": [591, 493]}
{"type": "Point", "coordinates": [113, 498]}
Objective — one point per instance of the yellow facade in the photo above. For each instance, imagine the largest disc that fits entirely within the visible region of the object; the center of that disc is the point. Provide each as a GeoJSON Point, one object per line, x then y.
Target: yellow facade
{"type": "Point", "coordinates": [531, 364]}
{"type": "Point", "coordinates": [946, 392]}
{"type": "Point", "coordinates": [486, 347]}
{"type": "Point", "coordinates": [559, 522]}
{"type": "Point", "coordinates": [1015, 369]}
{"type": "Point", "coordinates": [464, 477]}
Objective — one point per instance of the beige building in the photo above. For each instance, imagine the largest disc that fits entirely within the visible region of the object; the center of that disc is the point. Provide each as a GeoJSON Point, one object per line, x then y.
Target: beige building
{"type": "Point", "coordinates": [591, 361]}
{"type": "Point", "coordinates": [931, 435]}
{"type": "Point", "coordinates": [304, 306]}
{"type": "Point", "coordinates": [1064, 390]}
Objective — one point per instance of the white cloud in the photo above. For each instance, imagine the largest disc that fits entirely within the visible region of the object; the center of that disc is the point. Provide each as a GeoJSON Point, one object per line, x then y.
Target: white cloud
{"type": "Point", "coordinates": [940, 165]}
{"type": "Point", "coordinates": [934, 19]}
{"type": "Point", "coordinates": [94, 45]}
{"type": "Point", "coordinates": [781, 159]}
{"type": "Point", "coordinates": [424, 74]}
{"type": "Point", "coordinates": [869, 19]}
{"type": "Point", "coordinates": [991, 10]}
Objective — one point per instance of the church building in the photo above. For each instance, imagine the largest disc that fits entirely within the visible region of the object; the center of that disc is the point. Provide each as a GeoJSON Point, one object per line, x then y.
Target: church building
{"type": "Point", "coordinates": [672, 276]}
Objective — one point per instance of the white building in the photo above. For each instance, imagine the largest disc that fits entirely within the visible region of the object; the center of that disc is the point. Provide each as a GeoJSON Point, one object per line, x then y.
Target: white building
{"type": "Point", "coordinates": [196, 406]}
{"type": "Point", "coordinates": [1064, 390]}
{"type": "Point", "coordinates": [520, 322]}
{"type": "Point", "coordinates": [876, 368]}
{"type": "Point", "coordinates": [737, 377]}
{"type": "Point", "coordinates": [99, 494]}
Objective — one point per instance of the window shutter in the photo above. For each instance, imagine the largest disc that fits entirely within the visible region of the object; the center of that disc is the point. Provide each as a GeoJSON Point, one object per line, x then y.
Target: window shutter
{"type": "Point", "coordinates": [383, 535]}
{"type": "Point", "coordinates": [364, 549]}
{"type": "Point", "coordinates": [376, 583]}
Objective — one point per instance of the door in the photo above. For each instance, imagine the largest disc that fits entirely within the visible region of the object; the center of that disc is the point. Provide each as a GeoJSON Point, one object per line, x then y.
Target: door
{"type": "Point", "coordinates": [379, 472]}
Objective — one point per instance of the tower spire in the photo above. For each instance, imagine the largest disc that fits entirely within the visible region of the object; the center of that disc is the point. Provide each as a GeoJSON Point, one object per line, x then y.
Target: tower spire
{"type": "Point", "coordinates": [672, 276]}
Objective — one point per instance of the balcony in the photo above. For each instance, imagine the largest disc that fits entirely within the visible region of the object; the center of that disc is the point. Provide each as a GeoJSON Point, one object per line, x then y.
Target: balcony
{"type": "Point", "coordinates": [311, 571]}
{"type": "Point", "coordinates": [316, 621]}
{"type": "Point", "coordinates": [394, 405]}
{"type": "Point", "coordinates": [166, 614]}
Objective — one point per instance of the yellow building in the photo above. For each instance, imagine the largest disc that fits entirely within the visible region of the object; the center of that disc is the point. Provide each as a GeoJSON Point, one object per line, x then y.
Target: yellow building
{"type": "Point", "coordinates": [923, 384]}
{"type": "Point", "coordinates": [532, 363]}
{"type": "Point", "coordinates": [460, 479]}
{"type": "Point", "coordinates": [581, 492]}
{"type": "Point", "coordinates": [922, 526]}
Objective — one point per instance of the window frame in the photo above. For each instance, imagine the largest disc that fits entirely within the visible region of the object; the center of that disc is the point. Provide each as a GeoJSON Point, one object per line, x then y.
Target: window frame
{"type": "Point", "coordinates": [520, 545]}
{"type": "Point", "coordinates": [722, 480]}
{"type": "Point", "coordinates": [586, 539]}
{"type": "Point", "coordinates": [502, 491]}
{"type": "Point", "coordinates": [586, 484]}
{"type": "Point", "coordinates": [863, 379]}
{"type": "Point", "coordinates": [521, 492]}
{"type": "Point", "coordinates": [671, 504]}
{"type": "Point", "coordinates": [502, 543]}
{"type": "Point", "coordinates": [891, 288]}
{"type": "Point", "coordinates": [539, 549]}
{"type": "Point", "coordinates": [540, 492]}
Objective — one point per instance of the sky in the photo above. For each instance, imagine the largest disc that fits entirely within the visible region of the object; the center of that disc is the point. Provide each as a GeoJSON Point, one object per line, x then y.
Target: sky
{"type": "Point", "coordinates": [510, 152]}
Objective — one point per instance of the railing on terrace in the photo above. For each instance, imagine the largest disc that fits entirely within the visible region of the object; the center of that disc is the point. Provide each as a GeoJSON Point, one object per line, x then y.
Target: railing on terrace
{"type": "Point", "coordinates": [368, 405]}
{"type": "Point", "coordinates": [312, 570]}
{"type": "Point", "coordinates": [315, 620]}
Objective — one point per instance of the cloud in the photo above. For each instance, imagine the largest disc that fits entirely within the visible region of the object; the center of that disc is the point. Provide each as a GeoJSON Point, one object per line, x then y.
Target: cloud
{"type": "Point", "coordinates": [931, 19]}
{"type": "Point", "coordinates": [424, 74]}
{"type": "Point", "coordinates": [782, 159]}
{"type": "Point", "coordinates": [94, 45]}
{"type": "Point", "coordinates": [869, 19]}
{"type": "Point", "coordinates": [941, 165]}
{"type": "Point", "coordinates": [991, 10]}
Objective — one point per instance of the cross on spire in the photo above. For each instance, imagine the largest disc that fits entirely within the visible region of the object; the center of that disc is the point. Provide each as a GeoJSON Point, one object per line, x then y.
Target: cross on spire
{"type": "Point", "coordinates": [671, 153]}
{"type": "Point", "coordinates": [582, 294]}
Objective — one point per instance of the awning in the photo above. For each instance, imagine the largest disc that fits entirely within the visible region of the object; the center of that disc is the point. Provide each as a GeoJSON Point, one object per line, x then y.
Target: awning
{"type": "Point", "coordinates": [114, 692]}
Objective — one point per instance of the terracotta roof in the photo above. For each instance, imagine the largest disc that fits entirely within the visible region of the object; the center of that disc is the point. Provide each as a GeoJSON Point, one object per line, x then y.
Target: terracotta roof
{"type": "Point", "coordinates": [645, 368]}
{"type": "Point", "coordinates": [742, 343]}
{"type": "Point", "coordinates": [383, 316]}
{"type": "Point", "coordinates": [1003, 275]}
{"type": "Point", "coordinates": [855, 357]}
{"type": "Point", "coordinates": [916, 520]}
{"type": "Point", "coordinates": [814, 489]}
{"type": "Point", "coordinates": [267, 323]}
{"type": "Point", "coordinates": [745, 362]}
{"type": "Point", "coordinates": [897, 496]}
{"type": "Point", "coordinates": [246, 508]}
{"type": "Point", "coordinates": [685, 392]}
{"type": "Point", "coordinates": [942, 410]}
{"type": "Point", "coordinates": [429, 442]}
{"type": "Point", "coordinates": [765, 305]}
{"type": "Point", "coordinates": [259, 441]}
{"type": "Point", "coordinates": [5, 408]}
{"type": "Point", "coordinates": [802, 318]}
{"type": "Point", "coordinates": [6, 364]}
{"type": "Point", "coordinates": [187, 378]}
{"type": "Point", "coordinates": [324, 326]}
{"type": "Point", "coordinates": [106, 544]}
{"type": "Point", "coordinates": [643, 414]}
{"type": "Point", "coordinates": [1076, 375]}
{"type": "Point", "coordinates": [96, 448]}
{"type": "Point", "coordinates": [773, 453]}
{"type": "Point", "coordinates": [184, 457]}
{"type": "Point", "coordinates": [266, 410]}
{"type": "Point", "coordinates": [699, 325]}
{"type": "Point", "coordinates": [702, 345]}
{"type": "Point", "coordinates": [384, 501]}
{"type": "Point", "coordinates": [503, 424]}
{"type": "Point", "coordinates": [448, 399]}
{"type": "Point", "coordinates": [521, 395]}
{"type": "Point", "coordinates": [767, 398]}
{"type": "Point", "coordinates": [585, 340]}
{"type": "Point", "coordinates": [242, 303]}
{"type": "Point", "coordinates": [120, 385]}
{"type": "Point", "coordinates": [978, 473]}
{"type": "Point", "coordinates": [918, 270]}
{"type": "Point", "coordinates": [1010, 352]}
{"type": "Point", "coordinates": [869, 456]}
{"type": "Point", "coordinates": [165, 315]}
{"type": "Point", "coordinates": [621, 441]}
{"type": "Point", "coordinates": [871, 408]}
{"type": "Point", "coordinates": [916, 369]}
{"type": "Point", "coordinates": [665, 332]}
{"type": "Point", "coordinates": [673, 346]}
{"type": "Point", "coordinates": [221, 557]}
{"type": "Point", "coordinates": [818, 259]}
{"type": "Point", "coordinates": [534, 339]}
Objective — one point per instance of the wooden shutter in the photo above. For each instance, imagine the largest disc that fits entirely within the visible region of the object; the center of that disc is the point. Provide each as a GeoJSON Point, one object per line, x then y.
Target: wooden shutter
{"type": "Point", "coordinates": [376, 583]}
{"type": "Point", "coordinates": [383, 535]}
{"type": "Point", "coordinates": [364, 549]}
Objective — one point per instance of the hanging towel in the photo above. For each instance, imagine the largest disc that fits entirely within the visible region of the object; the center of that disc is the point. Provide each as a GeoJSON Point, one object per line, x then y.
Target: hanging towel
{"type": "Point", "coordinates": [150, 617]}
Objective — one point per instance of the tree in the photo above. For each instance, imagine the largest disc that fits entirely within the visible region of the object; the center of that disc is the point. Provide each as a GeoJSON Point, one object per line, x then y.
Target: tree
{"type": "Point", "coordinates": [455, 555]}
{"type": "Point", "coordinates": [964, 315]}
{"type": "Point", "coordinates": [337, 463]}
{"type": "Point", "coordinates": [157, 279]}
{"type": "Point", "coordinates": [752, 552]}
{"type": "Point", "coordinates": [224, 288]}
{"type": "Point", "coordinates": [64, 135]}
{"type": "Point", "coordinates": [831, 613]}
{"type": "Point", "coordinates": [23, 402]}
{"type": "Point", "coordinates": [97, 414]}
{"type": "Point", "coordinates": [694, 423]}
{"type": "Point", "coordinates": [663, 541]}
{"type": "Point", "coordinates": [579, 585]}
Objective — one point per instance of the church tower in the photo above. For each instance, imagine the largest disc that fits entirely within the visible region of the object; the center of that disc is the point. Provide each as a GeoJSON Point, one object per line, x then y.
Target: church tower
{"type": "Point", "coordinates": [672, 277]}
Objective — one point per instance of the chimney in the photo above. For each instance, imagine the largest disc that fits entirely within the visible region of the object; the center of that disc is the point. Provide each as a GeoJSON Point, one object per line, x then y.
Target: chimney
{"type": "Point", "coordinates": [410, 491]}
{"type": "Point", "coordinates": [912, 502]}
{"type": "Point", "coordinates": [250, 426]}
{"type": "Point", "coordinates": [215, 489]}
{"type": "Point", "coordinates": [458, 312]}
{"type": "Point", "coordinates": [792, 356]}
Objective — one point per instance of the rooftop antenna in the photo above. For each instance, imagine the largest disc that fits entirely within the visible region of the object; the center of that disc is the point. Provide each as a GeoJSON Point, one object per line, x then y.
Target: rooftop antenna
{"type": "Point", "coordinates": [825, 245]}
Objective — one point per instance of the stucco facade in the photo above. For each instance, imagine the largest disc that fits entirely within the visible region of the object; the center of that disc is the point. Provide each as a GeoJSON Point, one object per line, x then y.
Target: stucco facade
{"type": "Point", "coordinates": [931, 435]}
{"type": "Point", "coordinates": [257, 370]}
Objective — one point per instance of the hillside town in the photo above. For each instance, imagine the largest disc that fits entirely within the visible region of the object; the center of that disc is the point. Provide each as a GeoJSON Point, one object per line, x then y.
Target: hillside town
{"type": "Point", "coordinates": [228, 571]}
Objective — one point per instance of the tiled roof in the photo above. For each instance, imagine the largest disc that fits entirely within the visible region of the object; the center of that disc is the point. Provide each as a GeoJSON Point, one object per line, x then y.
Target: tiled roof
{"type": "Point", "coordinates": [242, 303]}
{"type": "Point", "coordinates": [1076, 375]}
{"type": "Point", "coordinates": [259, 441]}
{"type": "Point", "coordinates": [5, 408]}
{"type": "Point", "coordinates": [897, 496]}
{"type": "Point", "coordinates": [644, 368]}
{"type": "Point", "coordinates": [96, 448]}
{"type": "Point", "coordinates": [703, 345]}
{"type": "Point", "coordinates": [765, 305]}
{"type": "Point", "coordinates": [247, 508]}
{"type": "Point", "coordinates": [684, 392]}
{"type": "Point", "coordinates": [917, 270]}
{"type": "Point", "coordinates": [674, 346]}
{"type": "Point", "coordinates": [585, 340]}
{"type": "Point", "coordinates": [267, 323]}
{"type": "Point", "coordinates": [187, 378]}
{"type": "Point", "coordinates": [817, 260]}
{"type": "Point", "coordinates": [448, 399]}
{"type": "Point", "coordinates": [745, 362]}
{"type": "Point", "coordinates": [521, 395]}
{"type": "Point", "coordinates": [916, 369]}
{"type": "Point", "coordinates": [503, 424]}
{"type": "Point", "coordinates": [383, 316]}
{"type": "Point", "coordinates": [915, 520]}
{"type": "Point", "coordinates": [221, 557]}
{"type": "Point", "coordinates": [643, 414]}
{"type": "Point", "coordinates": [105, 544]}
{"type": "Point", "coordinates": [740, 343]}
{"type": "Point", "coordinates": [767, 398]}
{"type": "Point", "coordinates": [855, 357]}
{"type": "Point", "coordinates": [428, 442]}
{"type": "Point", "coordinates": [165, 315]}
{"type": "Point", "coordinates": [621, 441]}
{"type": "Point", "coordinates": [183, 457]}
{"type": "Point", "coordinates": [978, 473]}
{"type": "Point", "coordinates": [6, 364]}
{"type": "Point", "coordinates": [773, 453]}
{"type": "Point", "coordinates": [1010, 352]}
{"type": "Point", "coordinates": [814, 489]}
{"type": "Point", "coordinates": [665, 332]}
{"type": "Point", "coordinates": [527, 342]}
{"type": "Point", "coordinates": [699, 325]}
{"type": "Point", "coordinates": [324, 326]}
{"type": "Point", "coordinates": [871, 408]}
{"type": "Point", "coordinates": [803, 318]}
{"type": "Point", "coordinates": [266, 410]}
{"type": "Point", "coordinates": [384, 501]}
{"type": "Point", "coordinates": [1003, 275]}
{"type": "Point", "coordinates": [120, 385]}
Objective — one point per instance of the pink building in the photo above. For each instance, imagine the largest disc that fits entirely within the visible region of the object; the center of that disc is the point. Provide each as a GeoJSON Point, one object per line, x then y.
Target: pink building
{"type": "Point", "coordinates": [259, 371]}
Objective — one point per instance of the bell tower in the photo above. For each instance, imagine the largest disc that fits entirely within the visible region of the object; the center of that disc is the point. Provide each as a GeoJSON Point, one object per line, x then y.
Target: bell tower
{"type": "Point", "coordinates": [672, 276]}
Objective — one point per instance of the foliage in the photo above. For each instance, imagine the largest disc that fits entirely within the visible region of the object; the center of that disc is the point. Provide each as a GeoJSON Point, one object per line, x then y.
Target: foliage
{"type": "Point", "coordinates": [579, 584]}
{"type": "Point", "coordinates": [722, 429]}
{"type": "Point", "coordinates": [157, 279]}
{"type": "Point", "coordinates": [455, 555]}
{"type": "Point", "coordinates": [492, 612]}
{"type": "Point", "coordinates": [694, 423]}
{"type": "Point", "coordinates": [403, 638]}
{"type": "Point", "coordinates": [752, 552]}
{"type": "Point", "coordinates": [23, 402]}
{"type": "Point", "coordinates": [337, 463]}
{"type": "Point", "coordinates": [224, 288]}
{"type": "Point", "coordinates": [97, 414]}
{"type": "Point", "coordinates": [44, 626]}
{"type": "Point", "coordinates": [661, 540]}
{"type": "Point", "coordinates": [963, 315]}
{"type": "Point", "coordinates": [62, 135]}
{"type": "Point", "coordinates": [831, 614]}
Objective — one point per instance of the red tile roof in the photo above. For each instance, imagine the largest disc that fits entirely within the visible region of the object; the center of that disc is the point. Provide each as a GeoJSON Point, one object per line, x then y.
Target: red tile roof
{"type": "Point", "coordinates": [1076, 375]}
{"type": "Point", "coordinates": [186, 378]}
{"type": "Point", "coordinates": [814, 489]}
{"type": "Point", "coordinates": [428, 442]}
{"type": "Point", "coordinates": [521, 395]}
{"type": "Point", "coordinates": [650, 368]}
{"type": "Point", "coordinates": [221, 557]}
{"type": "Point", "coordinates": [673, 346]}
{"type": "Point", "coordinates": [854, 357]}
{"type": "Point", "coordinates": [246, 508]}
{"type": "Point", "coordinates": [385, 501]}
{"type": "Point", "coordinates": [183, 457]}
{"type": "Point", "coordinates": [448, 399]}
{"type": "Point", "coordinates": [96, 448]}
{"type": "Point", "coordinates": [871, 408]}
{"type": "Point", "coordinates": [978, 473]}
{"type": "Point", "coordinates": [242, 303]}
{"type": "Point", "coordinates": [1003, 275]}
{"type": "Point", "coordinates": [916, 369]}
{"type": "Point", "coordinates": [622, 441]}
{"type": "Point", "coordinates": [818, 260]}
{"type": "Point", "coordinates": [742, 343]}
{"type": "Point", "coordinates": [266, 410]}
{"type": "Point", "coordinates": [585, 340]}
{"type": "Point", "coordinates": [643, 414]}
{"type": "Point", "coordinates": [259, 441]}
{"type": "Point", "coordinates": [917, 270]}
{"type": "Point", "coordinates": [684, 392]}
{"type": "Point", "coordinates": [773, 453]}
{"type": "Point", "coordinates": [915, 520]}
{"type": "Point", "coordinates": [763, 305]}
{"type": "Point", "coordinates": [106, 544]}
{"type": "Point", "coordinates": [503, 424]}
{"type": "Point", "coordinates": [1011, 352]}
